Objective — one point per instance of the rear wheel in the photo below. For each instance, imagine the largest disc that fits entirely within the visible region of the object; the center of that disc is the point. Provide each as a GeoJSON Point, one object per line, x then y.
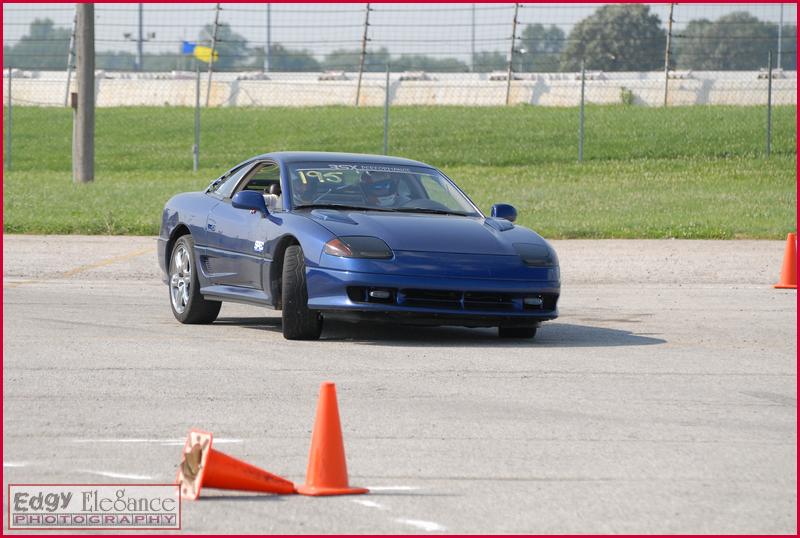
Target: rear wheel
{"type": "Point", "coordinates": [299, 323]}
{"type": "Point", "coordinates": [188, 306]}
{"type": "Point", "coordinates": [516, 332]}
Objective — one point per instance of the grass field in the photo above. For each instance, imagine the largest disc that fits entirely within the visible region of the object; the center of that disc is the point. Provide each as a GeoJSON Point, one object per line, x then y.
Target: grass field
{"type": "Point", "coordinates": [692, 172]}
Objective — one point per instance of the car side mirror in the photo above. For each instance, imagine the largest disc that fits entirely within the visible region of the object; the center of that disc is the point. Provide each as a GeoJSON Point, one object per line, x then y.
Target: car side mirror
{"type": "Point", "coordinates": [504, 211]}
{"type": "Point", "coordinates": [251, 200]}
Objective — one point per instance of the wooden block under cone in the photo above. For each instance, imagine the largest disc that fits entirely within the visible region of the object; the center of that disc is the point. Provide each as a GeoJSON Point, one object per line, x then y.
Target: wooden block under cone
{"type": "Point", "coordinates": [202, 466]}
{"type": "Point", "coordinates": [327, 468]}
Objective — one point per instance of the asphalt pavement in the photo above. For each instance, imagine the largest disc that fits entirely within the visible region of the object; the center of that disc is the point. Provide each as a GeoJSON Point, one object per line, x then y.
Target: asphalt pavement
{"type": "Point", "coordinates": [663, 400]}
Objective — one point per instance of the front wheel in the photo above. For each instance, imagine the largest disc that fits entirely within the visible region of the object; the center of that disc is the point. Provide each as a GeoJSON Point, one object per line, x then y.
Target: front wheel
{"type": "Point", "coordinates": [299, 323]}
{"type": "Point", "coordinates": [188, 305]}
{"type": "Point", "coordinates": [516, 332]}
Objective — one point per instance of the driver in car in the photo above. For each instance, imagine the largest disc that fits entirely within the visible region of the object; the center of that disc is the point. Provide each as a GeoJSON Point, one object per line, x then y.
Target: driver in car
{"type": "Point", "coordinates": [380, 189]}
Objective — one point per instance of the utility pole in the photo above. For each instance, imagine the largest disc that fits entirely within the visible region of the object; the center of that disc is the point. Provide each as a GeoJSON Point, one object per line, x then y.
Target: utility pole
{"type": "Point", "coordinates": [780, 39]}
{"type": "Point", "coordinates": [268, 59]}
{"type": "Point", "coordinates": [211, 59]}
{"type": "Point", "coordinates": [666, 54]}
{"type": "Point", "coordinates": [363, 55]}
{"type": "Point", "coordinates": [139, 46]}
{"type": "Point", "coordinates": [511, 54]}
{"type": "Point", "coordinates": [83, 102]}
{"type": "Point", "coordinates": [472, 57]}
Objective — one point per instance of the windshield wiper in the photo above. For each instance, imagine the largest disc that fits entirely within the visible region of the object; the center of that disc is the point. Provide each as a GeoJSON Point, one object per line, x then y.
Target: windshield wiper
{"type": "Point", "coordinates": [429, 210]}
{"type": "Point", "coordinates": [342, 206]}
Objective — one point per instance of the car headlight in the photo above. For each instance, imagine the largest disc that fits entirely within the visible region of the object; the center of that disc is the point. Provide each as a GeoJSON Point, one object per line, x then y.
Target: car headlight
{"type": "Point", "coordinates": [358, 246]}
{"type": "Point", "coordinates": [536, 255]}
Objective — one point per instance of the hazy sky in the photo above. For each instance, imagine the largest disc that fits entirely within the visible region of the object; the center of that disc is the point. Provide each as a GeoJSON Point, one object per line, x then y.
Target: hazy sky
{"type": "Point", "coordinates": [435, 29]}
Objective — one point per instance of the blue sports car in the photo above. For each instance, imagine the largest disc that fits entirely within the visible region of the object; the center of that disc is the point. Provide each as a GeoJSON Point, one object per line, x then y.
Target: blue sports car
{"type": "Point", "coordinates": [359, 237]}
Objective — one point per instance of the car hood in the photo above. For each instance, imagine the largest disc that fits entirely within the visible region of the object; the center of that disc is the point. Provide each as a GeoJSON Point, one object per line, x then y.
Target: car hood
{"type": "Point", "coordinates": [421, 232]}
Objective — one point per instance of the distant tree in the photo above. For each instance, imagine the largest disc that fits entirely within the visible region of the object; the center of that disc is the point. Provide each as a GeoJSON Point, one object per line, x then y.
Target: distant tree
{"type": "Point", "coordinates": [348, 60]}
{"type": "Point", "coordinates": [258, 57]}
{"type": "Point", "coordinates": [489, 61]}
{"type": "Point", "coordinates": [115, 61]}
{"type": "Point", "coordinates": [540, 48]}
{"type": "Point", "coordinates": [43, 47]}
{"type": "Point", "coordinates": [166, 61]}
{"type": "Point", "coordinates": [284, 59]}
{"type": "Point", "coordinates": [420, 62]}
{"type": "Point", "coordinates": [736, 41]}
{"type": "Point", "coordinates": [231, 47]}
{"type": "Point", "coordinates": [616, 37]}
{"type": "Point", "coordinates": [789, 47]}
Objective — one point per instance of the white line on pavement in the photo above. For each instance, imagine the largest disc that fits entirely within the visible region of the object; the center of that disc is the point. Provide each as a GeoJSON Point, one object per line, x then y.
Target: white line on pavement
{"type": "Point", "coordinates": [370, 504]}
{"type": "Point", "coordinates": [428, 526]}
{"type": "Point", "coordinates": [392, 488]}
{"type": "Point", "coordinates": [123, 476]}
{"type": "Point", "coordinates": [15, 464]}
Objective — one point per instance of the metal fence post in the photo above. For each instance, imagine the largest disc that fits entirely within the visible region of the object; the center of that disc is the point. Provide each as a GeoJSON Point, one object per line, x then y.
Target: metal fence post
{"type": "Point", "coordinates": [511, 55]}
{"type": "Point", "coordinates": [580, 120]}
{"type": "Point", "coordinates": [472, 43]}
{"type": "Point", "coordinates": [211, 58]}
{"type": "Point", "coordinates": [140, 41]}
{"type": "Point", "coordinates": [386, 115]}
{"type": "Point", "coordinates": [780, 39]}
{"type": "Point", "coordinates": [666, 54]}
{"type": "Point", "coordinates": [268, 57]}
{"type": "Point", "coordinates": [769, 102]}
{"type": "Point", "coordinates": [363, 55]}
{"type": "Point", "coordinates": [196, 146]}
{"type": "Point", "coordinates": [7, 160]}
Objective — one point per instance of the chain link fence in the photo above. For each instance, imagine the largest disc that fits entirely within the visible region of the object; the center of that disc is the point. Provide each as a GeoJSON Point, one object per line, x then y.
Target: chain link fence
{"type": "Point", "coordinates": [395, 55]}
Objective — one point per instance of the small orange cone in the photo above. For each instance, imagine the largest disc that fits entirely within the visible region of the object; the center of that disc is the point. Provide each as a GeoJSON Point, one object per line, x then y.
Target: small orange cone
{"type": "Point", "coordinates": [202, 466]}
{"type": "Point", "coordinates": [788, 278]}
{"type": "Point", "coordinates": [327, 469]}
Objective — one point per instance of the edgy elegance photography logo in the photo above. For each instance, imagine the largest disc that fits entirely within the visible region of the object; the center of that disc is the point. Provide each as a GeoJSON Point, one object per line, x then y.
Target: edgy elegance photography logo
{"type": "Point", "coordinates": [94, 506]}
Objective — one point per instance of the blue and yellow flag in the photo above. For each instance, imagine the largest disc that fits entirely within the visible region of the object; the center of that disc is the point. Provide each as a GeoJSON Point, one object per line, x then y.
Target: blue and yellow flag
{"type": "Point", "coordinates": [200, 52]}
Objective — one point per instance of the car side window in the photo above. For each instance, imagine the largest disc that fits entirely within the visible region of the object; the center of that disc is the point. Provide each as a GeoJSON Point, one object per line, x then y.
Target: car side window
{"type": "Point", "coordinates": [266, 177]}
{"type": "Point", "coordinates": [226, 187]}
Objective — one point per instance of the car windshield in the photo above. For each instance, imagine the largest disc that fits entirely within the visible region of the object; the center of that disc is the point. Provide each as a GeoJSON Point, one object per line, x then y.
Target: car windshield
{"type": "Point", "coordinates": [413, 189]}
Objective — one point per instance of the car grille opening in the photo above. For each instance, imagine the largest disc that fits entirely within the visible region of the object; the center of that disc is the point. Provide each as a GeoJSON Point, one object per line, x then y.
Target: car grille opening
{"type": "Point", "coordinates": [488, 301]}
{"type": "Point", "coordinates": [479, 301]}
{"type": "Point", "coordinates": [432, 298]}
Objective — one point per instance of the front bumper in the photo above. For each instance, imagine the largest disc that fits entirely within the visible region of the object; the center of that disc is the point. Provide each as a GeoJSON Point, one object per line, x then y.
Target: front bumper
{"type": "Point", "coordinates": [472, 302]}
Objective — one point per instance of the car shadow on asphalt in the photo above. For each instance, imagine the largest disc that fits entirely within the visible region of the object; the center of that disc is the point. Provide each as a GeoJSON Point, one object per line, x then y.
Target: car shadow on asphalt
{"type": "Point", "coordinates": [550, 334]}
{"type": "Point", "coordinates": [239, 498]}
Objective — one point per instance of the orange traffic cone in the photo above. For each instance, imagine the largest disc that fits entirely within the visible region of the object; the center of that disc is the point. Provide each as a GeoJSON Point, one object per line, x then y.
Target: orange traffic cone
{"type": "Point", "coordinates": [327, 469]}
{"type": "Point", "coordinates": [788, 278]}
{"type": "Point", "coordinates": [203, 466]}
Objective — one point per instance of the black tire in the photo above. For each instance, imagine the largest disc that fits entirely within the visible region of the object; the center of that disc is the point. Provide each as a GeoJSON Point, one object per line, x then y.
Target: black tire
{"type": "Point", "coordinates": [516, 332]}
{"type": "Point", "coordinates": [299, 323]}
{"type": "Point", "coordinates": [188, 306]}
